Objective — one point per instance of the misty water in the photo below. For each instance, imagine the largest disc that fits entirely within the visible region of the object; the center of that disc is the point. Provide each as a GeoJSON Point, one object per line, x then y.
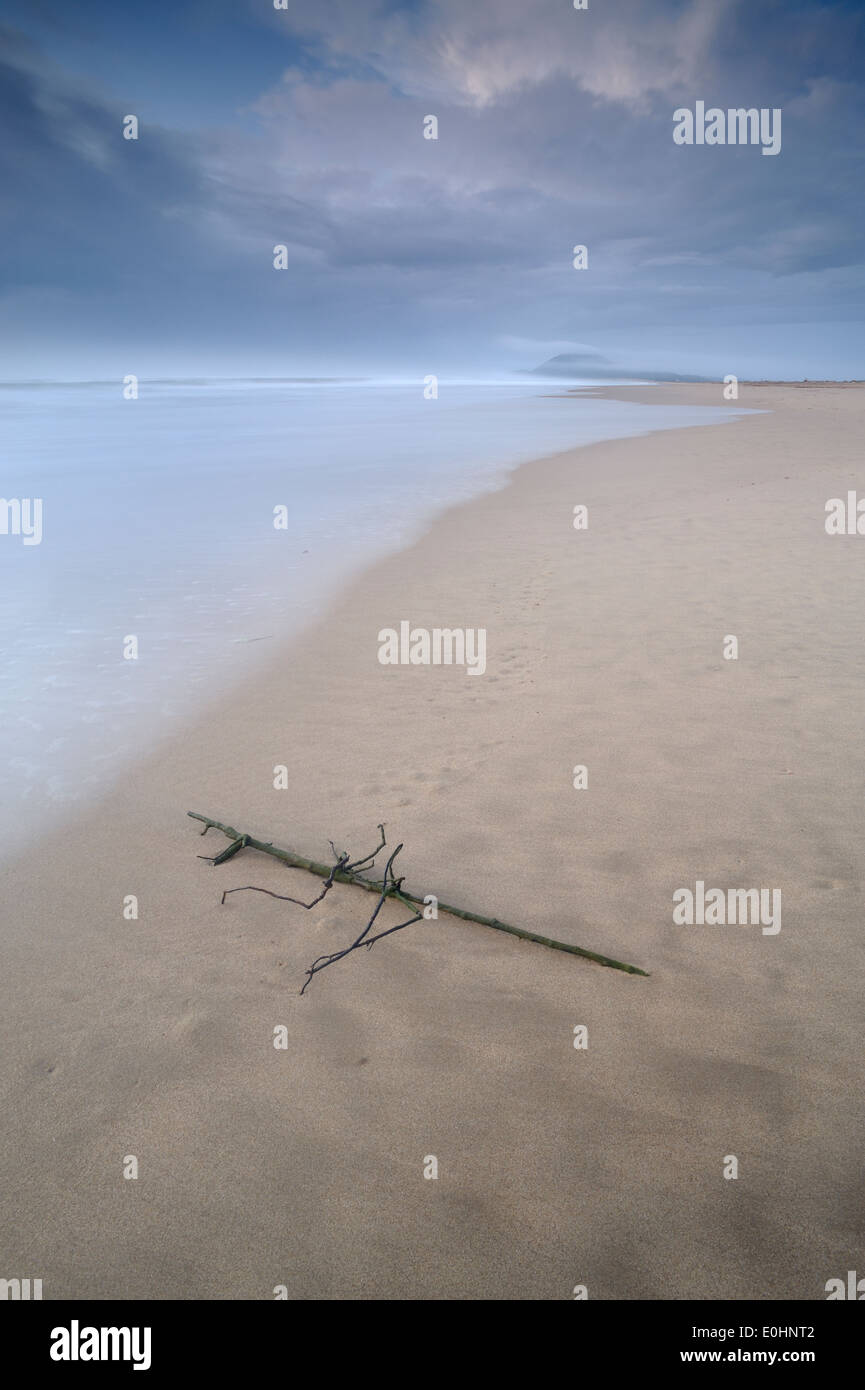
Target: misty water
{"type": "Point", "coordinates": [158, 523]}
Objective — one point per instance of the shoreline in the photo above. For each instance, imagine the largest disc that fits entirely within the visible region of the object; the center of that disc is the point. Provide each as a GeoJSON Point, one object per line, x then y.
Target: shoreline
{"type": "Point", "coordinates": [304, 1166]}
{"type": "Point", "coordinates": [220, 615]}
{"type": "Point", "coordinates": [120, 721]}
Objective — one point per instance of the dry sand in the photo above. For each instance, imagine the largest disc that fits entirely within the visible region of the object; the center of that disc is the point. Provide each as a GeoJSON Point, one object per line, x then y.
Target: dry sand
{"type": "Point", "coordinates": [557, 1167]}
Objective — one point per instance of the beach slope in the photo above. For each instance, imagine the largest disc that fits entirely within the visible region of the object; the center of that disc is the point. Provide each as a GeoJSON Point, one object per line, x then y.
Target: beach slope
{"type": "Point", "coordinates": [303, 1165]}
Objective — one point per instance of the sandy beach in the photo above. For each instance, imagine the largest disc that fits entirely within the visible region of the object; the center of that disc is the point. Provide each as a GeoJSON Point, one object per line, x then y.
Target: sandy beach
{"type": "Point", "coordinates": [603, 1166]}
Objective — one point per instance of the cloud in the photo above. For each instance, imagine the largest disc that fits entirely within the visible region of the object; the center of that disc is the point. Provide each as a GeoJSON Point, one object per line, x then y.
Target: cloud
{"type": "Point", "coordinates": [479, 53]}
{"type": "Point", "coordinates": [554, 129]}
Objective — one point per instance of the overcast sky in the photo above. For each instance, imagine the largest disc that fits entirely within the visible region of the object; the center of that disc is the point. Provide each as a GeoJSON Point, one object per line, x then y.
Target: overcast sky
{"type": "Point", "coordinates": [405, 255]}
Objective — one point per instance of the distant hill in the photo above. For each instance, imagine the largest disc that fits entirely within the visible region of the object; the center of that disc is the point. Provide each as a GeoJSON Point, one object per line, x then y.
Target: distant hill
{"type": "Point", "coordinates": [588, 366]}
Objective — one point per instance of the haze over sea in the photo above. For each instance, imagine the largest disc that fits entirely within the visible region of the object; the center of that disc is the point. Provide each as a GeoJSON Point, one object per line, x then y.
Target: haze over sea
{"type": "Point", "coordinates": [158, 522]}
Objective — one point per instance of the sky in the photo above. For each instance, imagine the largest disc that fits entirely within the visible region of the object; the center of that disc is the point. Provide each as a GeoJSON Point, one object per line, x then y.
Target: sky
{"type": "Point", "coordinates": [304, 127]}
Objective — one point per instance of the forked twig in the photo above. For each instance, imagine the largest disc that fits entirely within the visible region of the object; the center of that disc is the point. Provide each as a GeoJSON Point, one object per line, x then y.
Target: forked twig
{"type": "Point", "coordinates": [363, 940]}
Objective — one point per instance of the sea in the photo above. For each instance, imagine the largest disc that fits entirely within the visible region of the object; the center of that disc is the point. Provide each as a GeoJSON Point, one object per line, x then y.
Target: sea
{"type": "Point", "coordinates": [186, 533]}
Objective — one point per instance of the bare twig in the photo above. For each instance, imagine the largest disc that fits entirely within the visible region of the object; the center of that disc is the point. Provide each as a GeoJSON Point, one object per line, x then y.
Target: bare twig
{"type": "Point", "coordinates": [390, 887]}
{"type": "Point", "coordinates": [251, 888]}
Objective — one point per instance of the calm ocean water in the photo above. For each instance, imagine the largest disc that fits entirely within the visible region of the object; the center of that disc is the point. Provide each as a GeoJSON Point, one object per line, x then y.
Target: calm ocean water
{"type": "Point", "coordinates": [158, 522]}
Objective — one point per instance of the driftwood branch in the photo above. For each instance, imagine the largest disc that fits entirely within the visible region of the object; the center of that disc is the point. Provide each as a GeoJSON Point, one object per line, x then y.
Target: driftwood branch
{"type": "Point", "coordinates": [390, 887]}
